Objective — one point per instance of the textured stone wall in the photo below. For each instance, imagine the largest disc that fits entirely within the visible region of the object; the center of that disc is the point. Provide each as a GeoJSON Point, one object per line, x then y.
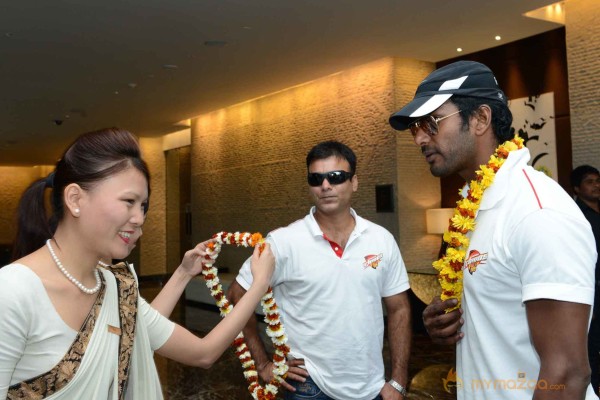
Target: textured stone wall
{"type": "Point", "coordinates": [248, 160]}
{"type": "Point", "coordinates": [153, 249]}
{"type": "Point", "coordinates": [583, 58]}
{"type": "Point", "coordinates": [418, 190]}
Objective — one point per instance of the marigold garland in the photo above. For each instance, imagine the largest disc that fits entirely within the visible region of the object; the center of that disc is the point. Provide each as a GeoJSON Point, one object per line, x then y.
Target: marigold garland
{"type": "Point", "coordinates": [274, 326]}
{"type": "Point", "coordinates": [450, 266]}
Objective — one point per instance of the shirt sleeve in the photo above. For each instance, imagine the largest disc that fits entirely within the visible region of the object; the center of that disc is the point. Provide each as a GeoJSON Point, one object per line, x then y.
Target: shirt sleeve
{"type": "Point", "coordinates": [555, 255]}
{"type": "Point", "coordinates": [14, 320]}
{"type": "Point", "coordinates": [159, 327]}
{"type": "Point", "coordinates": [396, 280]}
{"type": "Point", "coordinates": [244, 277]}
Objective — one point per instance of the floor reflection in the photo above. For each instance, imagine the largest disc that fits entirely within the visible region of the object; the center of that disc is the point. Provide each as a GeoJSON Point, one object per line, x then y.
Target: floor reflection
{"type": "Point", "coordinates": [428, 370]}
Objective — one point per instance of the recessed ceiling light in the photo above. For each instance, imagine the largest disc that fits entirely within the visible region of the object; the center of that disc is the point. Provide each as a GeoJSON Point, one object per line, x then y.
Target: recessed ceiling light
{"type": "Point", "coordinates": [132, 85]}
{"type": "Point", "coordinates": [459, 49]}
{"type": "Point", "coordinates": [498, 37]}
{"type": "Point", "coordinates": [247, 27]}
{"type": "Point", "coordinates": [116, 92]}
{"type": "Point", "coordinates": [215, 43]}
{"type": "Point", "coordinates": [170, 66]}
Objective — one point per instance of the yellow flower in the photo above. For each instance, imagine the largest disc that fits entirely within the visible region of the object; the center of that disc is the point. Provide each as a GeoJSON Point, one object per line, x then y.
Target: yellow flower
{"type": "Point", "coordinates": [453, 254]}
{"type": "Point", "coordinates": [487, 176]}
{"type": "Point", "coordinates": [467, 204]}
{"type": "Point", "coordinates": [518, 140]}
{"type": "Point", "coordinates": [456, 239]}
{"type": "Point", "coordinates": [510, 145]}
{"type": "Point", "coordinates": [476, 190]}
{"type": "Point", "coordinates": [463, 223]}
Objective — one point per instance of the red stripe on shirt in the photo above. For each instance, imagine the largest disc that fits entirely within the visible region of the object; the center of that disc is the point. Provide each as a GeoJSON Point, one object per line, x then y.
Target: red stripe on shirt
{"type": "Point", "coordinates": [533, 188]}
{"type": "Point", "coordinates": [337, 249]}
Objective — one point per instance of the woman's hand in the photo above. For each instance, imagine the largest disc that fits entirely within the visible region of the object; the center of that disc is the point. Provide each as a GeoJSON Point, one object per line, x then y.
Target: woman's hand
{"type": "Point", "coordinates": [263, 265]}
{"type": "Point", "coordinates": [191, 264]}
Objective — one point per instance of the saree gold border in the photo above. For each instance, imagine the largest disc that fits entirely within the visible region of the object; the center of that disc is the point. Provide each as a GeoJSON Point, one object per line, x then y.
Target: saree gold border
{"type": "Point", "coordinates": [128, 295]}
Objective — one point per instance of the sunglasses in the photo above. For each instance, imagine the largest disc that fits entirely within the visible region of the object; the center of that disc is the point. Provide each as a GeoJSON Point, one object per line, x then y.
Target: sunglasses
{"type": "Point", "coordinates": [333, 177]}
{"type": "Point", "coordinates": [428, 124]}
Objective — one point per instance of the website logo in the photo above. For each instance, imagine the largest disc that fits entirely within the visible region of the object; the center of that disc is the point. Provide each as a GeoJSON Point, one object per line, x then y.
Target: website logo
{"type": "Point", "coordinates": [372, 260]}
{"type": "Point", "coordinates": [474, 259]}
{"type": "Point", "coordinates": [452, 382]}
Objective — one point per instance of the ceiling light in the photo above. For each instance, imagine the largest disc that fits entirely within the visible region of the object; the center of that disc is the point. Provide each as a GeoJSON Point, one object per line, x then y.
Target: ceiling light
{"type": "Point", "coordinates": [553, 13]}
{"type": "Point", "coordinates": [116, 92]}
{"type": "Point", "coordinates": [498, 37]}
{"type": "Point", "coordinates": [459, 49]}
{"type": "Point", "coordinates": [170, 66]}
{"type": "Point", "coordinates": [132, 85]}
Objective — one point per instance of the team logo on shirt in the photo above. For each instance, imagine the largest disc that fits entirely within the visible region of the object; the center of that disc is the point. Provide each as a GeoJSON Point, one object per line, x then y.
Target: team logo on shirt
{"type": "Point", "coordinates": [372, 260]}
{"type": "Point", "coordinates": [475, 258]}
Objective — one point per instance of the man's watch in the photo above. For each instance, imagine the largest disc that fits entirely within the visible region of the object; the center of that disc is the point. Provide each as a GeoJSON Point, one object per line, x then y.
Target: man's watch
{"type": "Point", "coordinates": [398, 387]}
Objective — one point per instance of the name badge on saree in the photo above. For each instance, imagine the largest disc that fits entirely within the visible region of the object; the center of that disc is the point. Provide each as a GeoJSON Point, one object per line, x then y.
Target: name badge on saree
{"type": "Point", "coordinates": [115, 330]}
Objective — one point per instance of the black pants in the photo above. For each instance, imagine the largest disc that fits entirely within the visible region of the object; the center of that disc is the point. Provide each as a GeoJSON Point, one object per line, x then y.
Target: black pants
{"type": "Point", "coordinates": [594, 349]}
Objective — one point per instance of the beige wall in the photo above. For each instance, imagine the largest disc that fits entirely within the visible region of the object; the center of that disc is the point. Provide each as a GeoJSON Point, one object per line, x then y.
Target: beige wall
{"type": "Point", "coordinates": [248, 160]}
{"type": "Point", "coordinates": [418, 190]}
{"type": "Point", "coordinates": [583, 59]}
{"type": "Point", "coordinates": [153, 249]}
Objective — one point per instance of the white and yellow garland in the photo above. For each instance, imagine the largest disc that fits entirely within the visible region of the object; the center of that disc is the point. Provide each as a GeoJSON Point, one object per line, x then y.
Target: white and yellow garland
{"type": "Point", "coordinates": [274, 326]}
{"type": "Point", "coordinates": [450, 266]}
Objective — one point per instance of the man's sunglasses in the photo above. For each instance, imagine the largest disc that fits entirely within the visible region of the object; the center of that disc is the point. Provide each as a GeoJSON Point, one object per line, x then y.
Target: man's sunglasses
{"type": "Point", "coordinates": [333, 177]}
{"type": "Point", "coordinates": [429, 124]}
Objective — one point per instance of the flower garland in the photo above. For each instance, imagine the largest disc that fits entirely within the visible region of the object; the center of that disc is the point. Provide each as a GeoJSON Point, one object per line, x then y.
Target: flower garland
{"type": "Point", "coordinates": [450, 266]}
{"type": "Point", "coordinates": [274, 325]}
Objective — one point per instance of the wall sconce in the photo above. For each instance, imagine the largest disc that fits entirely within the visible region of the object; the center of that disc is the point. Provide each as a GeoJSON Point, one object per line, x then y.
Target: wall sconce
{"type": "Point", "coordinates": [437, 219]}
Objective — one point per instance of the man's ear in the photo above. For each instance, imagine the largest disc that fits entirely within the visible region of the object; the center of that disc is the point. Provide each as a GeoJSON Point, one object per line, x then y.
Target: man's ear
{"type": "Point", "coordinates": [354, 183]}
{"type": "Point", "coordinates": [482, 119]}
{"type": "Point", "coordinates": [73, 195]}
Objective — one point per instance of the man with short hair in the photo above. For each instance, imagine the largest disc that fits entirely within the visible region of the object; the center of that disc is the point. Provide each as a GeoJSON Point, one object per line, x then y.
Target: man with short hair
{"type": "Point", "coordinates": [333, 270]}
{"type": "Point", "coordinates": [525, 250]}
{"type": "Point", "coordinates": [585, 181]}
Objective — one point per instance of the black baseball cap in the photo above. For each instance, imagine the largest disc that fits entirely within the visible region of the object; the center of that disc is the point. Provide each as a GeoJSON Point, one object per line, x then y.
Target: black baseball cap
{"type": "Point", "coordinates": [464, 78]}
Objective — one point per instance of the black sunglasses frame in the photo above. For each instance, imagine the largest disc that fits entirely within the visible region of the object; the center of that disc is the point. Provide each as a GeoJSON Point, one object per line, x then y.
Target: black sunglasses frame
{"type": "Point", "coordinates": [333, 177]}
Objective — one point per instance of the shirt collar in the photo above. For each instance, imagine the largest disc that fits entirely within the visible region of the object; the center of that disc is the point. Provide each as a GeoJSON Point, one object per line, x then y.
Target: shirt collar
{"type": "Point", "coordinates": [315, 230]}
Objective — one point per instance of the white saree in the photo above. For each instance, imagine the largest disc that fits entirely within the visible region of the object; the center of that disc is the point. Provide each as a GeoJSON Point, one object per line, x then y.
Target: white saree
{"type": "Point", "coordinates": [98, 375]}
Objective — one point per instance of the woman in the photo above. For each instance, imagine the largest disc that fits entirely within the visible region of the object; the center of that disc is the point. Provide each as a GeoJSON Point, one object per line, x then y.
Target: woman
{"type": "Point", "coordinates": [71, 330]}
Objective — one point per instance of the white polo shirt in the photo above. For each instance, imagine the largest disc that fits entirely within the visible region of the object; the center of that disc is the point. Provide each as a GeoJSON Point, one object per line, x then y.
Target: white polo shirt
{"type": "Point", "coordinates": [531, 242]}
{"type": "Point", "coordinates": [331, 306]}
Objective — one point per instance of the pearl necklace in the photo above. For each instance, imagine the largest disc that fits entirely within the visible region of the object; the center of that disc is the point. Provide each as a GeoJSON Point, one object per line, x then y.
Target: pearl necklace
{"type": "Point", "coordinates": [71, 277]}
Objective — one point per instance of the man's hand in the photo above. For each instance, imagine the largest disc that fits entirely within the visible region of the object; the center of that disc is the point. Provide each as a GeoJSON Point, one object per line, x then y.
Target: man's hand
{"type": "Point", "coordinates": [389, 393]}
{"type": "Point", "coordinates": [442, 327]}
{"type": "Point", "coordinates": [295, 373]}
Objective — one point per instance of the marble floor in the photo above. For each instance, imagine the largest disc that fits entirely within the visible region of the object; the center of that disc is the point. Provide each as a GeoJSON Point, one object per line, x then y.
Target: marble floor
{"type": "Point", "coordinates": [428, 370]}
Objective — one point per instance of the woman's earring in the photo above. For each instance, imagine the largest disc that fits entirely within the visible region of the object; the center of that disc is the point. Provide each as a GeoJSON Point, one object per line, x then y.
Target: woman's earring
{"type": "Point", "coordinates": [76, 211]}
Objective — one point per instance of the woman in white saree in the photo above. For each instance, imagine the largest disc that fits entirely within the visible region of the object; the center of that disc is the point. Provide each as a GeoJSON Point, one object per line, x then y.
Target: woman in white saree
{"type": "Point", "coordinates": [70, 329]}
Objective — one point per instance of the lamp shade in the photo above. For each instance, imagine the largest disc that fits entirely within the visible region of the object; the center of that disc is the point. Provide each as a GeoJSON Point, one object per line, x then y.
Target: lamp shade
{"type": "Point", "coordinates": [438, 219]}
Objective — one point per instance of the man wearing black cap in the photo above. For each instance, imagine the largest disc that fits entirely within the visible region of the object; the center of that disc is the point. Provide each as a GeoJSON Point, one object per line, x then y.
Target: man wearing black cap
{"type": "Point", "coordinates": [528, 259]}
